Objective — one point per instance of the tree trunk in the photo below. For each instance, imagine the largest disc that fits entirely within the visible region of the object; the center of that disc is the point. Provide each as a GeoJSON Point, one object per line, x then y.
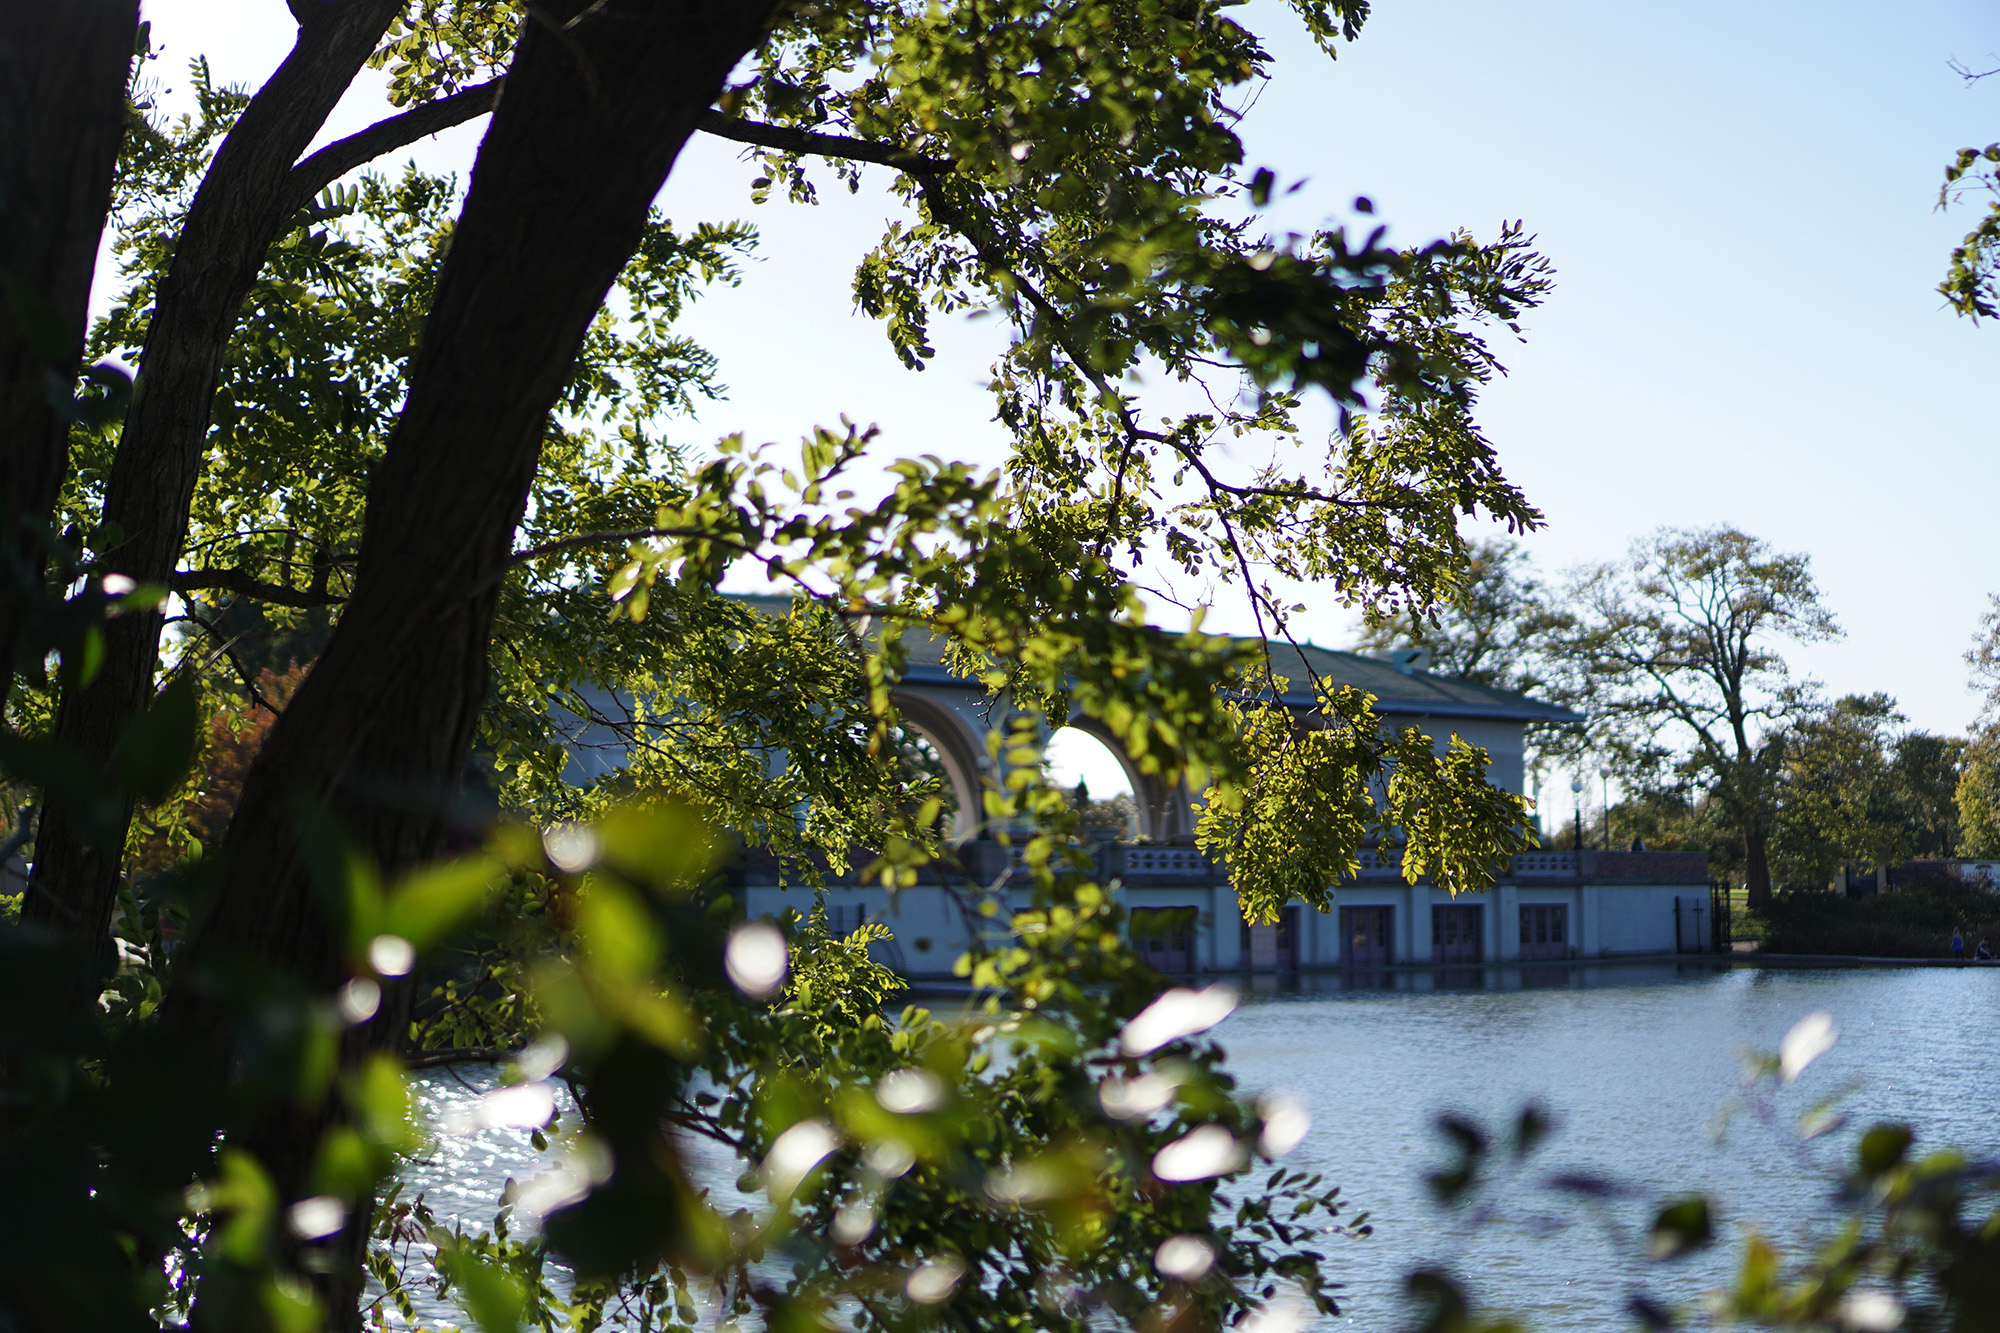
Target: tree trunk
{"type": "Point", "coordinates": [592, 117]}
{"type": "Point", "coordinates": [62, 115]}
{"type": "Point", "coordinates": [1756, 865]}
{"type": "Point", "coordinates": [242, 204]}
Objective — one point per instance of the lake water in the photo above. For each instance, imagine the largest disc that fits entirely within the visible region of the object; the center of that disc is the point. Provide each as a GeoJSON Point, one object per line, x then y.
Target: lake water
{"type": "Point", "coordinates": [1635, 1062]}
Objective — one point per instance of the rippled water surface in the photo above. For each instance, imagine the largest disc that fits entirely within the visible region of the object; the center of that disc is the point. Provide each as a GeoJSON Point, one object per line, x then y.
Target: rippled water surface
{"type": "Point", "coordinates": [1635, 1061]}
{"type": "Point", "coordinates": [1636, 1069]}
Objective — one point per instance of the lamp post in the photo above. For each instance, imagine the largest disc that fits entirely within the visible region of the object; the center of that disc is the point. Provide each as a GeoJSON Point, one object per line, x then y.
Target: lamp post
{"type": "Point", "coordinates": [1604, 791]}
{"type": "Point", "coordinates": [1576, 799]}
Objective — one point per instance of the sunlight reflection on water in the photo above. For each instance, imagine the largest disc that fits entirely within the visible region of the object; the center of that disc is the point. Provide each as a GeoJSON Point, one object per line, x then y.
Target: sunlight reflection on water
{"type": "Point", "coordinates": [1635, 1071]}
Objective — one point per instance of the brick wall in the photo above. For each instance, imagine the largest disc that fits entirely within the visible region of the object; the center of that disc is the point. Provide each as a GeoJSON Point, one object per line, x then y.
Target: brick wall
{"type": "Point", "coordinates": [1685, 867]}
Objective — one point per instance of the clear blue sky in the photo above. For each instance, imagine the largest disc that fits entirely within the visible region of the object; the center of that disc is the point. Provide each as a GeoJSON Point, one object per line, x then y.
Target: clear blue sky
{"type": "Point", "coordinates": [1737, 197]}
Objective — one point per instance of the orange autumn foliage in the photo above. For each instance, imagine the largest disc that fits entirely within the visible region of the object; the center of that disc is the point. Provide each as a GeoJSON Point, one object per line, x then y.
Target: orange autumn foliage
{"type": "Point", "coordinates": [200, 816]}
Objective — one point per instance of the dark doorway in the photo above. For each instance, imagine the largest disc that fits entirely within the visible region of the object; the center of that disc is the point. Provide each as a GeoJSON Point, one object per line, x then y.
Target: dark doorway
{"type": "Point", "coordinates": [1544, 932]}
{"type": "Point", "coordinates": [1365, 934]}
{"type": "Point", "coordinates": [1165, 936]}
{"type": "Point", "coordinates": [1455, 933]}
{"type": "Point", "coordinates": [1273, 948]}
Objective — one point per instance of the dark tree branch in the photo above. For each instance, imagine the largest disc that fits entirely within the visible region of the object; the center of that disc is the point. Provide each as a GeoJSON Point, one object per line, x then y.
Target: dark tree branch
{"type": "Point", "coordinates": [457, 1055]}
{"type": "Point", "coordinates": [227, 648]}
{"type": "Point", "coordinates": [241, 206]}
{"type": "Point", "coordinates": [950, 215]}
{"type": "Point", "coordinates": [335, 160]}
{"type": "Point", "coordinates": [499, 570]}
{"type": "Point", "coordinates": [787, 140]}
{"type": "Point", "coordinates": [236, 581]}
{"type": "Point", "coordinates": [697, 1123]}
{"type": "Point", "coordinates": [62, 117]}
{"type": "Point", "coordinates": [600, 538]}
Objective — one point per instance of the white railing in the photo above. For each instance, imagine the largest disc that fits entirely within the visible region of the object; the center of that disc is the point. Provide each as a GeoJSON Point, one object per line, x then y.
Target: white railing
{"type": "Point", "coordinates": [1533, 865]}
{"type": "Point", "coordinates": [1140, 859]}
{"type": "Point", "coordinates": [1165, 861]}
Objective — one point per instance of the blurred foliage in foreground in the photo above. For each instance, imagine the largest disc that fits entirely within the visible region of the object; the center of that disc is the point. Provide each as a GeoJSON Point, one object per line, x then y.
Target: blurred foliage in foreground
{"type": "Point", "coordinates": [1916, 1243]}
{"type": "Point", "coordinates": [1067, 1151]}
{"type": "Point", "coordinates": [1050, 1157]}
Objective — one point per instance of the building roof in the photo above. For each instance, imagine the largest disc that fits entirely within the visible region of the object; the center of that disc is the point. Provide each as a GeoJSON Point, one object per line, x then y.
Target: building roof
{"type": "Point", "coordinates": [1398, 691]}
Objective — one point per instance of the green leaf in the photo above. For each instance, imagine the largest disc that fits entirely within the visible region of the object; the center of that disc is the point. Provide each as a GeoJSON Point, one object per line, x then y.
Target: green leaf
{"type": "Point", "coordinates": [433, 902]}
{"type": "Point", "coordinates": [1884, 1147]}
{"type": "Point", "coordinates": [491, 1295]}
{"type": "Point", "coordinates": [618, 933]}
{"type": "Point", "coordinates": [81, 663]}
{"type": "Point", "coordinates": [664, 845]}
{"type": "Point", "coordinates": [1531, 1127]}
{"type": "Point", "coordinates": [1681, 1226]}
{"type": "Point", "coordinates": [159, 748]}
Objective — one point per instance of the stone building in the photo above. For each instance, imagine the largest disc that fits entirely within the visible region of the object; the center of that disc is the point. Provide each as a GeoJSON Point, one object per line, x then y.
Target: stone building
{"type": "Point", "coordinates": [1554, 905]}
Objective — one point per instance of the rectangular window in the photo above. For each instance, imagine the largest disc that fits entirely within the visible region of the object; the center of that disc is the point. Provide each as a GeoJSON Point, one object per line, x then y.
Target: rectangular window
{"type": "Point", "coordinates": [1544, 931]}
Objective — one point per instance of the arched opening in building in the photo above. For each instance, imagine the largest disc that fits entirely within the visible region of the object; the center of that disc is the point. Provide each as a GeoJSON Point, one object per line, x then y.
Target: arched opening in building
{"type": "Point", "coordinates": [1098, 781]}
{"type": "Point", "coordinates": [931, 774]}
{"type": "Point", "coordinates": [937, 743]}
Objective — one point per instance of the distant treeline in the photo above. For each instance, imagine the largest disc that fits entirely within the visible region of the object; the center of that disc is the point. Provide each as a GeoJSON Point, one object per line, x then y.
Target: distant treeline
{"type": "Point", "coordinates": [1676, 657]}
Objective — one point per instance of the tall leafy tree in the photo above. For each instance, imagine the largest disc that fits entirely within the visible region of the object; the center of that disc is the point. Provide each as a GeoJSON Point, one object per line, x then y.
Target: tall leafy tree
{"type": "Point", "coordinates": [1676, 657]}
{"type": "Point", "coordinates": [1927, 769]}
{"type": "Point", "coordinates": [1837, 797]}
{"type": "Point", "coordinates": [1978, 796]}
{"type": "Point", "coordinates": [1982, 659]}
{"type": "Point", "coordinates": [1095, 277]}
{"type": "Point", "coordinates": [595, 113]}
{"type": "Point", "coordinates": [256, 184]}
{"type": "Point", "coordinates": [1062, 165]}
{"type": "Point", "coordinates": [1848, 788]}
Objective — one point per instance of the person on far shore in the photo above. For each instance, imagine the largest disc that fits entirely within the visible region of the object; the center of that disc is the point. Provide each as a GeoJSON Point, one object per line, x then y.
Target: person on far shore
{"type": "Point", "coordinates": [1983, 953]}
{"type": "Point", "coordinates": [1957, 946]}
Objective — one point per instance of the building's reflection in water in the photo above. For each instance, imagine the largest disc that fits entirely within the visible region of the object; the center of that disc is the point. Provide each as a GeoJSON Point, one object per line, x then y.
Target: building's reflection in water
{"type": "Point", "coordinates": [1474, 977]}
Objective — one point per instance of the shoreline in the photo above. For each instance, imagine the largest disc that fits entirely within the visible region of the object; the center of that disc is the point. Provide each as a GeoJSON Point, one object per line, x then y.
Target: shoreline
{"type": "Point", "coordinates": [946, 988]}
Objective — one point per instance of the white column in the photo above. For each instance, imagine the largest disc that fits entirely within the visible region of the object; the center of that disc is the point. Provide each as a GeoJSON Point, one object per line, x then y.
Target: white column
{"type": "Point", "coordinates": [1225, 929]}
{"type": "Point", "coordinates": [1416, 928]}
